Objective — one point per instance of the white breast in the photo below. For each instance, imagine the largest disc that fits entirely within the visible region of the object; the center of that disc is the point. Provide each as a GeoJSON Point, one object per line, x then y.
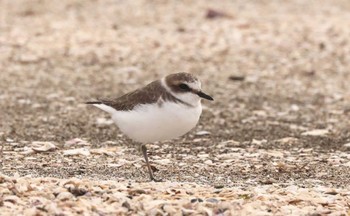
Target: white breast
{"type": "Point", "coordinates": [153, 122]}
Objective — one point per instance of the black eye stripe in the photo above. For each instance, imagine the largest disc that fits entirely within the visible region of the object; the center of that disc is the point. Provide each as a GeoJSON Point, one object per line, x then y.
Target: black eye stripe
{"type": "Point", "coordinates": [184, 87]}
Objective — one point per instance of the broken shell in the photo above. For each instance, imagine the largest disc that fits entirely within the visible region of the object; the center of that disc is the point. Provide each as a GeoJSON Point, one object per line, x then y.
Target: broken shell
{"type": "Point", "coordinates": [38, 146]}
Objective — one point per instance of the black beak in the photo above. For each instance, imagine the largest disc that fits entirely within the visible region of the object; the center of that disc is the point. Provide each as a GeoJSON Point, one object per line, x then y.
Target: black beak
{"type": "Point", "coordinates": [205, 96]}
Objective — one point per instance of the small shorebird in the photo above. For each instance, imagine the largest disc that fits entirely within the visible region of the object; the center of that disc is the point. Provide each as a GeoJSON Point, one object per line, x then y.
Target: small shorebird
{"type": "Point", "coordinates": [162, 110]}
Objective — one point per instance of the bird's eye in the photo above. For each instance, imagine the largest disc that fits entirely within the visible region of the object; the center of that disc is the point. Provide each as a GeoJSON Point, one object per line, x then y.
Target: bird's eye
{"type": "Point", "coordinates": [184, 87]}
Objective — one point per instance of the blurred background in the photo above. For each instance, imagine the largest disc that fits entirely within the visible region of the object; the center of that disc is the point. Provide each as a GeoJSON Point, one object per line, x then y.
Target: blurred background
{"type": "Point", "coordinates": [276, 69]}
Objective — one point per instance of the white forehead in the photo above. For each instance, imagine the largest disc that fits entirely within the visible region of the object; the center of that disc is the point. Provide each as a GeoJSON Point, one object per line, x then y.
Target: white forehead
{"type": "Point", "coordinates": [196, 85]}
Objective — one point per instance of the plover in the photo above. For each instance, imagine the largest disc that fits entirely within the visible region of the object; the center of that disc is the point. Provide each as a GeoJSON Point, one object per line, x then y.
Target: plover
{"type": "Point", "coordinates": [162, 110]}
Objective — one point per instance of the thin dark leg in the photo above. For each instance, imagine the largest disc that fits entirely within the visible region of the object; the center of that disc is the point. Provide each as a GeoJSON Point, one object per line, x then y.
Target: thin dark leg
{"type": "Point", "coordinates": [144, 152]}
{"type": "Point", "coordinates": [2, 160]}
{"type": "Point", "coordinates": [2, 141]}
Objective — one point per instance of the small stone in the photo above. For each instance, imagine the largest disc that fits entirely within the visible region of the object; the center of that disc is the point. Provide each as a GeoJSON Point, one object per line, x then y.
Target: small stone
{"type": "Point", "coordinates": [79, 151]}
{"type": "Point", "coordinates": [208, 162]}
{"type": "Point", "coordinates": [294, 107]}
{"type": "Point", "coordinates": [317, 132]}
{"type": "Point", "coordinates": [64, 196]}
{"type": "Point", "coordinates": [9, 140]}
{"type": "Point", "coordinates": [203, 155]}
{"type": "Point", "coordinates": [347, 145]}
{"type": "Point", "coordinates": [261, 113]}
{"type": "Point", "coordinates": [136, 192]}
{"type": "Point", "coordinates": [76, 142]}
{"type": "Point", "coordinates": [268, 181]}
{"type": "Point", "coordinates": [202, 133]}
{"type": "Point", "coordinates": [43, 146]}
{"type": "Point", "coordinates": [347, 164]}
{"type": "Point", "coordinates": [213, 14]}
{"type": "Point", "coordinates": [288, 140]}
{"type": "Point", "coordinates": [27, 151]}
{"type": "Point", "coordinates": [212, 200]}
{"type": "Point", "coordinates": [104, 151]}
{"type": "Point", "coordinates": [237, 78]}
{"type": "Point", "coordinates": [126, 205]}
{"type": "Point", "coordinates": [196, 200]}
{"type": "Point", "coordinates": [77, 191]}
{"type": "Point", "coordinates": [332, 192]}
{"type": "Point", "coordinates": [229, 143]}
{"type": "Point", "coordinates": [259, 142]}
{"type": "Point", "coordinates": [171, 210]}
{"type": "Point", "coordinates": [219, 186]}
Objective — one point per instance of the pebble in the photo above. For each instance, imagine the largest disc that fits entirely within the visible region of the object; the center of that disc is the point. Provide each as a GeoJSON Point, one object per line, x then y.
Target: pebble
{"type": "Point", "coordinates": [165, 197]}
{"type": "Point", "coordinates": [347, 145]}
{"type": "Point", "coordinates": [76, 142]}
{"type": "Point", "coordinates": [78, 151]}
{"type": "Point", "coordinates": [196, 200]}
{"type": "Point", "coordinates": [38, 146]}
{"type": "Point", "coordinates": [317, 132]}
{"type": "Point", "coordinates": [208, 162]}
{"type": "Point", "coordinates": [258, 142]}
{"type": "Point", "coordinates": [63, 196]}
{"type": "Point", "coordinates": [212, 200]}
{"type": "Point", "coordinates": [203, 133]}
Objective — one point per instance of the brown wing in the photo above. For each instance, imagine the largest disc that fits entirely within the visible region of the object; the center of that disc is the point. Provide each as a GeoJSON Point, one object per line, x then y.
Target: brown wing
{"type": "Point", "coordinates": [148, 94]}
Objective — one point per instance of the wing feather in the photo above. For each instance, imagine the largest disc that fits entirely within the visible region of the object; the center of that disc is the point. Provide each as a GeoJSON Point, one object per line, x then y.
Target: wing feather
{"type": "Point", "coordinates": [148, 94]}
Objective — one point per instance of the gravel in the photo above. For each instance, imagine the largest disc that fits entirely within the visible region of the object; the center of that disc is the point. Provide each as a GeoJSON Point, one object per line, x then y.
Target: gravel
{"type": "Point", "coordinates": [274, 142]}
{"type": "Point", "coordinates": [52, 196]}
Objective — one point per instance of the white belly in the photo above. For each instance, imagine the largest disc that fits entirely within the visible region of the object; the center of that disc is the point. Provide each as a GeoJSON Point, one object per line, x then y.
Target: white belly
{"type": "Point", "coordinates": [150, 123]}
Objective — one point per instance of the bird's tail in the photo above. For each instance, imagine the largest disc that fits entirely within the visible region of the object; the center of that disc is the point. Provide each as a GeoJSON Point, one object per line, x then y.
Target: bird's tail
{"type": "Point", "coordinates": [102, 106]}
{"type": "Point", "coordinates": [93, 102]}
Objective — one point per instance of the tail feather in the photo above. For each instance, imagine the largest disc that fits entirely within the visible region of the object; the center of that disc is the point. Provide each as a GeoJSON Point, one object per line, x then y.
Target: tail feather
{"type": "Point", "coordinates": [102, 106]}
{"type": "Point", "coordinates": [93, 102]}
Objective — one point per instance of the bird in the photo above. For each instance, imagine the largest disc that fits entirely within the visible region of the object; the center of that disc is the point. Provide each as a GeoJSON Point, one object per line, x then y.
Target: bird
{"type": "Point", "coordinates": [164, 109]}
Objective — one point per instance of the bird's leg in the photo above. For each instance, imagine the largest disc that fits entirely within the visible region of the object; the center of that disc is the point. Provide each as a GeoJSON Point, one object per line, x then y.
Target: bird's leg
{"type": "Point", "coordinates": [2, 156]}
{"type": "Point", "coordinates": [144, 152]}
{"type": "Point", "coordinates": [2, 160]}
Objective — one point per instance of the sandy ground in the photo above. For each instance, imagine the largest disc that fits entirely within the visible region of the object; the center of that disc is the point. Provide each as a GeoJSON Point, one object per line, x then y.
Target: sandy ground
{"type": "Point", "coordinates": [274, 142]}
